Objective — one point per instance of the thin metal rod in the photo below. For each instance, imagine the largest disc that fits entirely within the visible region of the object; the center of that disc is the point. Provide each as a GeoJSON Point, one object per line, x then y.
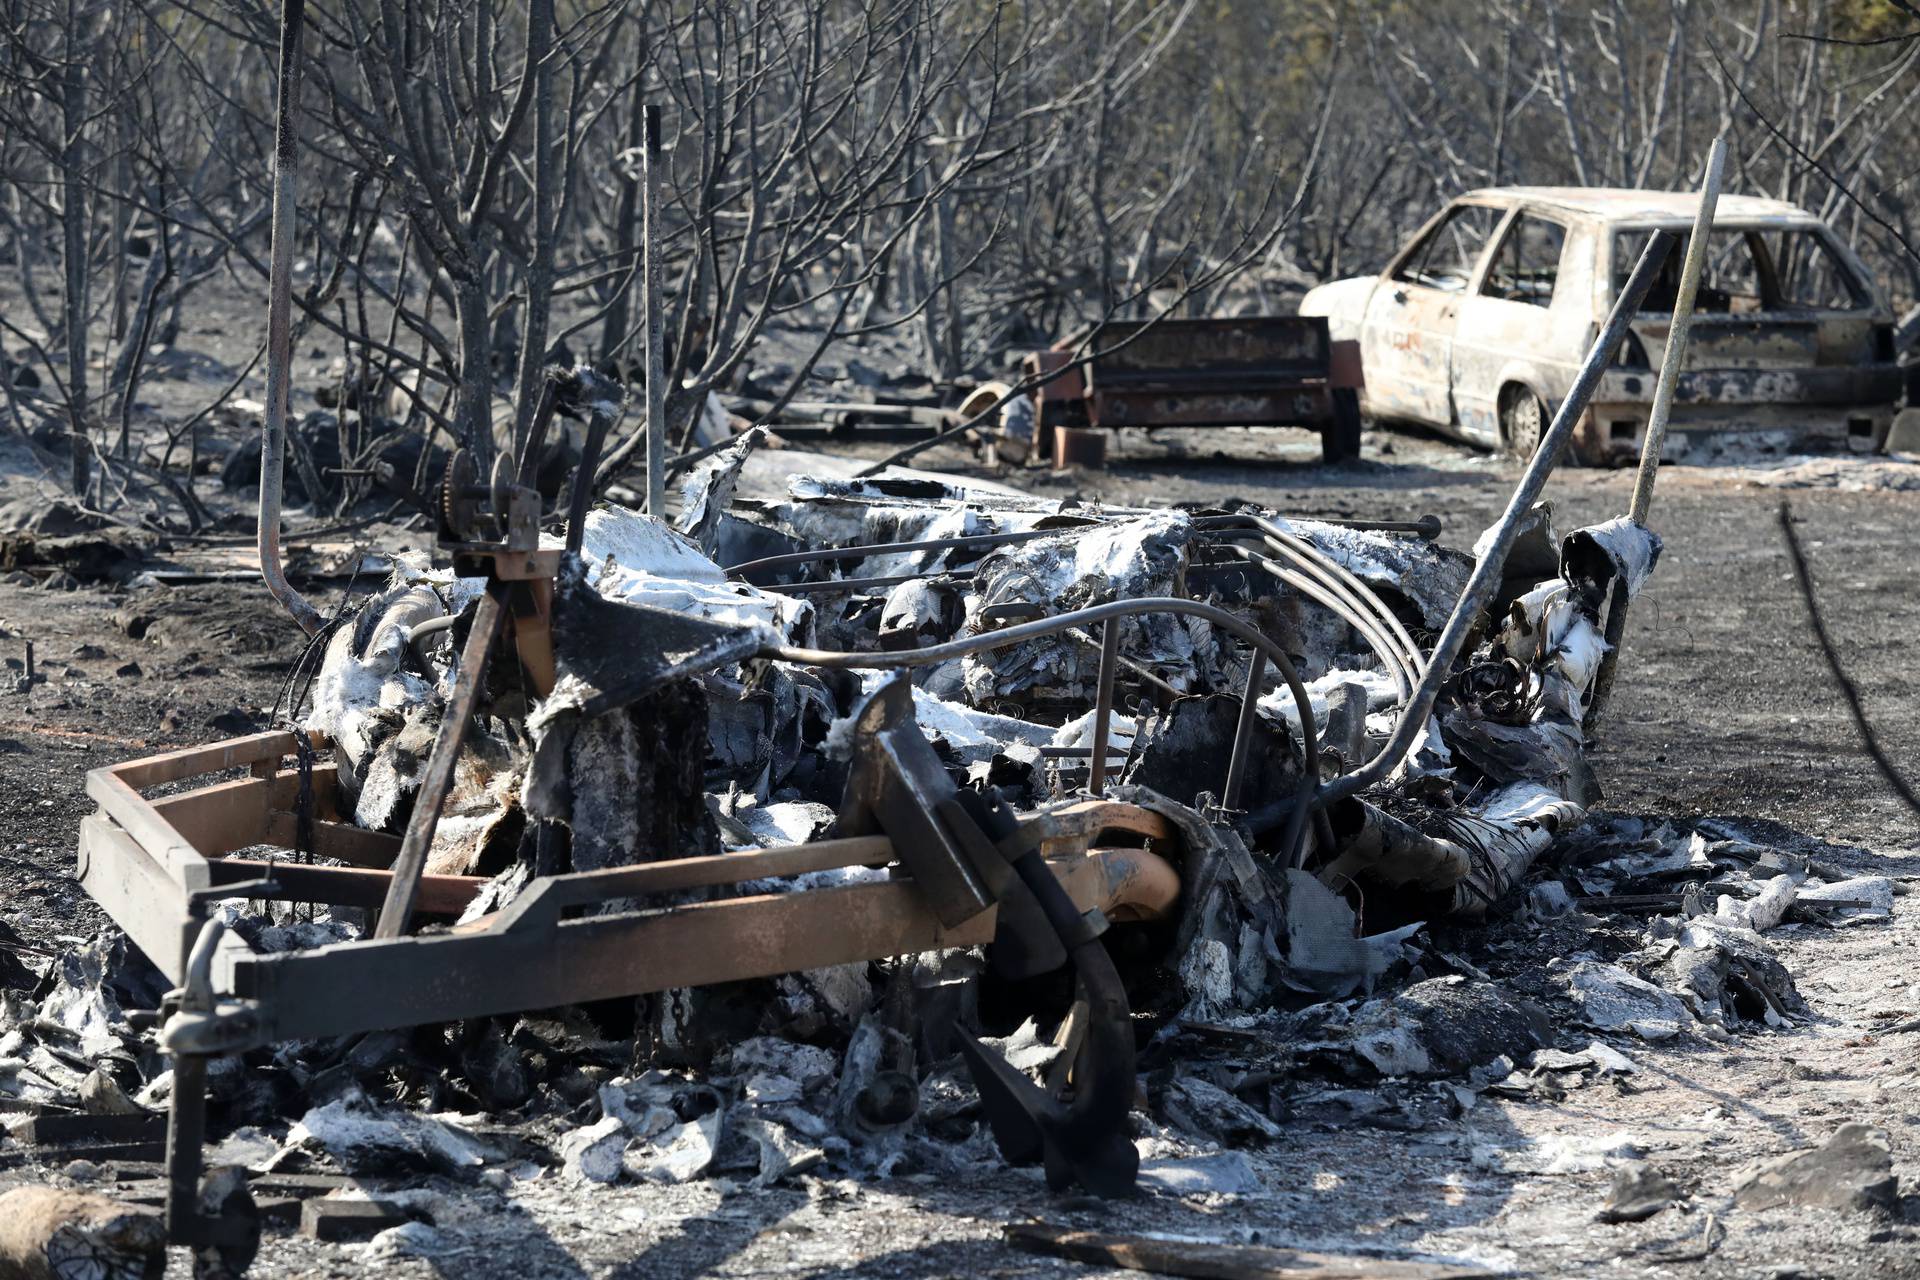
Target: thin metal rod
{"type": "Point", "coordinates": [650, 296]}
{"type": "Point", "coordinates": [1140, 670]}
{"type": "Point", "coordinates": [1243, 732]}
{"type": "Point", "coordinates": [1231, 624]}
{"type": "Point", "coordinates": [1428, 527]}
{"type": "Point", "coordinates": [273, 440]}
{"type": "Point", "coordinates": [1103, 707]}
{"type": "Point", "coordinates": [1487, 571]}
{"type": "Point", "coordinates": [1676, 356]}
{"type": "Point", "coordinates": [437, 778]}
{"type": "Point", "coordinates": [1651, 447]}
{"type": "Point", "coordinates": [828, 586]}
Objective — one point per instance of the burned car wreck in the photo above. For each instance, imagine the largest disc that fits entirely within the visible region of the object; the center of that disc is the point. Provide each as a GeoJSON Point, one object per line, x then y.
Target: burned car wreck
{"type": "Point", "coordinates": [1476, 327]}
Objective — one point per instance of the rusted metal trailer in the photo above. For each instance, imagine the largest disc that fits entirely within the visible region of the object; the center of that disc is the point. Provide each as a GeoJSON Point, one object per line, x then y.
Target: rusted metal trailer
{"type": "Point", "coordinates": [1247, 371]}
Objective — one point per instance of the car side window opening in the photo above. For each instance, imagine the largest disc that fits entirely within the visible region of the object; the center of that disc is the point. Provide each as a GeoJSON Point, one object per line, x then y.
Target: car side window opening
{"type": "Point", "coordinates": [1747, 272]}
{"type": "Point", "coordinates": [1445, 259]}
{"type": "Point", "coordinates": [1807, 273]}
{"type": "Point", "coordinates": [1526, 266]}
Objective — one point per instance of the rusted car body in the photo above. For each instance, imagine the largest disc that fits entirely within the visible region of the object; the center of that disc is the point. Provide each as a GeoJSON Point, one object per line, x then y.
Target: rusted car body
{"type": "Point", "coordinates": [1477, 326]}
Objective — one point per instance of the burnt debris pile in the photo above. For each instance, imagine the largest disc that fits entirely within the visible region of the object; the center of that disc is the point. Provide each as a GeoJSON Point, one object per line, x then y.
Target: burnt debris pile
{"type": "Point", "coordinates": [890, 825]}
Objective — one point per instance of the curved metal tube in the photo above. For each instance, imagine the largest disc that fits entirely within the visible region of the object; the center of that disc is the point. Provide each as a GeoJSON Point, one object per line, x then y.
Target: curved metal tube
{"type": "Point", "coordinates": [273, 440]}
{"type": "Point", "coordinates": [934, 654]}
{"type": "Point", "coordinates": [1332, 571]}
{"type": "Point", "coordinates": [1406, 658]}
{"type": "Point", "coordinates": [1390, 656]}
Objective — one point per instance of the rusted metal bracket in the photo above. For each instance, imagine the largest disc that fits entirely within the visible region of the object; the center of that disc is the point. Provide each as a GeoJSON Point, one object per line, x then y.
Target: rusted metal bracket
{"type": "Point", "coordinates": [156, 864]}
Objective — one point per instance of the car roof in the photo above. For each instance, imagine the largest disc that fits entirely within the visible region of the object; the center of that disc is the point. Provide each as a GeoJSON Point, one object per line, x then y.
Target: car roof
{"type": "Point", "coordinates": [1626, 204]}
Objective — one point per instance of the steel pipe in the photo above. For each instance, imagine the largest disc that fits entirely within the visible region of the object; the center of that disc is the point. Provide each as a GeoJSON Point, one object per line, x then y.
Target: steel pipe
{"type": "Point", "coordinates": [1487, 571]}
{"type": "Point", "coordinates": [1103, 706]}
{"type": "Point", "coordinates": [1655, 441]}
{"type": "Point", "coordinates": [273, 440]}
{"type": "Point", "coordinates": [1677, 333]}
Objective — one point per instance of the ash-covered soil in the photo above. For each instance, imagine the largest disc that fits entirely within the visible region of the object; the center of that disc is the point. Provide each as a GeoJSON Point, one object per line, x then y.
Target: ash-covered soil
{"type": "Point", "coordinates": [1723, 708]}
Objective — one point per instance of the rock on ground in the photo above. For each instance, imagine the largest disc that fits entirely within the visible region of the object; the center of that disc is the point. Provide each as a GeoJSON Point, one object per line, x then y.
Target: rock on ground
{"type": "Point", "coordinates": [1852, 1170]}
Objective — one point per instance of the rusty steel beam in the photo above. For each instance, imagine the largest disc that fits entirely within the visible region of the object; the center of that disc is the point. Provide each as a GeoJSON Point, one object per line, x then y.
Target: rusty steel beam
{"type": "Point", "coordinates": [524, 964]}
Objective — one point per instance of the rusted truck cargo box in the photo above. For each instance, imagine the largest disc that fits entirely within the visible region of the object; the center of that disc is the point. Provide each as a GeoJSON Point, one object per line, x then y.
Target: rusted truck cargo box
{"type": "Point", "coordinates": [1248, 371]}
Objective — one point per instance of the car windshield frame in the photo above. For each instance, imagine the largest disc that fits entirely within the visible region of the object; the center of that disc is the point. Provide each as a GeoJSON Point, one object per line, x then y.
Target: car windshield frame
{"type": "Point", "coordinates": [1508, 233]}
{"type": "Point", "coordinates": [1503, 213]}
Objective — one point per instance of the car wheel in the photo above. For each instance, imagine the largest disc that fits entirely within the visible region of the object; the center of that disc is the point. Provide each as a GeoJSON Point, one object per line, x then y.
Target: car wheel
{"type": "Point", "coordinates": [1523, 420]}
{"type": "Point", "coordinates": [1340, 438]}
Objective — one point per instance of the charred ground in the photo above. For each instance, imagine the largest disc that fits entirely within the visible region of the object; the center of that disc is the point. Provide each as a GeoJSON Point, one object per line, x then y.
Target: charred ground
{"type": "Point", "coordinates": [1723, 710]}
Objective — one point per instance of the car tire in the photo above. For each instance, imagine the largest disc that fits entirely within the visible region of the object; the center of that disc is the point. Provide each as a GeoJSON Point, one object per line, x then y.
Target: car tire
{"type": "Point", "coordinates": [1340, 438]}
{"type": "Point", "coordinates": [1523, 421]}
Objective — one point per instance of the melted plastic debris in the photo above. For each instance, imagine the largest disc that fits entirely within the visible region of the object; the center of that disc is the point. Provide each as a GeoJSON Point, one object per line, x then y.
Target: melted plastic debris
{"type": "Point", "coordinates": [636, 559]}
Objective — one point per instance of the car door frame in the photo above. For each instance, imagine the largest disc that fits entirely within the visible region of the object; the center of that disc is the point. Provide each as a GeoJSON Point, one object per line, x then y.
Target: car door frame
{"type": "Point", "coordinates": [1410, 365]}
{"type": "Point", "coordinates": [1496, 352]}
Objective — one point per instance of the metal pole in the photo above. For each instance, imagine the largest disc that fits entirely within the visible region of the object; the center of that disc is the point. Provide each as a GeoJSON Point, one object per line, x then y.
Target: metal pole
{"type": "Point", "coordinates": [650, 300]}
{"type": "Point", "coordinates": [1670, 366]}
{"type": "Point", "coordinates": [1488, 569]}
{"type": "Point", "coordinates": [1103, 707]}
{"type": "Point", "coordinates": [1243, 732]}
{"type": "Point", "coordinates": [1676, 356]}
{"type": "Point", "coordinates": [273, 441]}
{"type": "Point", "coordinates": [186, 1132]}
{"type": "Point", "coordinates": [187, 1107]}
{"type": "Point", "coordinates": [470, 676]}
